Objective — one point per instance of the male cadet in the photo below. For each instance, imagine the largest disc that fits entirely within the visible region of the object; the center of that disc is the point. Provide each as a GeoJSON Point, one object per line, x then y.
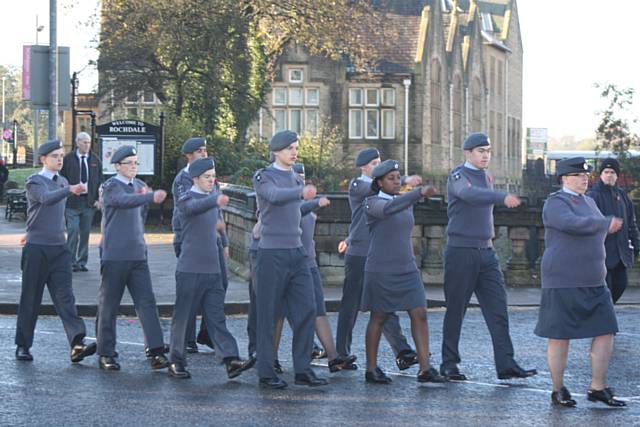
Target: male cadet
{"type": "Point", "coordinates": [46, 258]}
{"type": "Point", "coordinates": [470, 262]}
{"type": "Point", "coordinates": [357, 247]}
{"type": "Point", "coordinates": [124, 259]}
{"type": "Point", "coordinates": [623, 246]}
{"type": "Point", "coordinates": [81, 165]}
{"type": "Point", "coordinates": [198, 274]}
{"type": "Point", "coordinates": [284, 281]}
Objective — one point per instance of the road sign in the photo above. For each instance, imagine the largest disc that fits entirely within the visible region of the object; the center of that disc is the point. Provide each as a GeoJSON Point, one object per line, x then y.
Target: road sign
{"type": "Point", "coordinates": [7, 134]}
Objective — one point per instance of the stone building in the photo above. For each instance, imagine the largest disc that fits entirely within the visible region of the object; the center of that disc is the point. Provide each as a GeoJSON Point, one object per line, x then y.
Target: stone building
{"type": "Point", "coordinates": [456, 64]}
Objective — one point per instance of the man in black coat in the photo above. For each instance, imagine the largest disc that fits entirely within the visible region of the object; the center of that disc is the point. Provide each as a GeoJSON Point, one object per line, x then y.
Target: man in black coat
{"type": "Point", "coordinates": [81, 165]}
{"type": "Point", "coordinates": [623, 246]}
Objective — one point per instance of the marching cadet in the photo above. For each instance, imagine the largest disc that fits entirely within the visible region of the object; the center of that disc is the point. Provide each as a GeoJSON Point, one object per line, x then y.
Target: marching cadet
{"type": "Point", "coordinates": [46, 258]}
{"type": "Point", "coordinates": [392, 280]}
{"type": "Point", "coordinates": [357, 246]}
{"type": "Point", "coordinates": [575, 300]}
{"type": "Point", "coordinates": [284, 281]}
{"type": "Point", "coordinates": [470, 262]}
{"type": "Point", "coordinates": [198, 274]}
{"type": "Point", "coordinates": [124, 259]}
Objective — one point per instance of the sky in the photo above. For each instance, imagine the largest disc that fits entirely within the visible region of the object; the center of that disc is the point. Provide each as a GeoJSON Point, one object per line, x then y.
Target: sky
{"type": "Point", "coordinates": [568, 46]}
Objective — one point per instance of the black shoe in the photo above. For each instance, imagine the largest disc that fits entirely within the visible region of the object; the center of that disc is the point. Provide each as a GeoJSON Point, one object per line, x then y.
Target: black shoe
{"type": "Point", "coordinates": [177, 370]}
{"type": "Point", "coordinates": [430, 376]}
{"type": "Point", "coordinates": [158, 361]}
{"type": "Point", "coordinates": [236, 366]}
{"type": "Point", "coordinates": [22, 353]}
{"type": "Point", "coordinates": [83, 268]}
{"type": "Point", "coordinates": [516, 372]}
{"type": "Point", "coordinates": [192, 348]}
{"type": "Point", "coordinates": [318, 352]}
{"type": "Point", "coordinates": [204, 339]}
{"type": "Point", "coordinates": [81, 350]}
{"type": "Point", "coordinates": [109, 363]}
{"type": "Point", "coordinates": [605, 396]}
{"type": "Point", "coordinates": [310, 379]}
{"type": "Point", "coordinates": [406, 359]}
{"type": "Point", "coordinates": [562, 398]}
{"type": "Point", "coordinates": [452, 373]}
{"type": "Point", "coordinates": [277, 367]}
{"type": "Point", "coordinates": [272, 383]}
{"type": "Point", "coordinates": [341, 363]}
{"type": "Point", "coordinates": [377, 376]}
{"type": "Point", "coordinates": [165, 349]}
{"type": "Point", "coordinates": [251, 361]}
{"type": "Point", "coordinates": [75, 268]}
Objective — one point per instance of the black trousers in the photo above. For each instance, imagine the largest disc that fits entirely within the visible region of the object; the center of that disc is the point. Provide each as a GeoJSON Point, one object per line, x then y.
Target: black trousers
{"type": "Point", "coordinates": [617, 281]}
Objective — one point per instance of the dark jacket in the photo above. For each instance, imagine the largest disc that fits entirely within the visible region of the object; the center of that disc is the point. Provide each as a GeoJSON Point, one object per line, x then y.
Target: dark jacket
{"type": "Point", "coordinates": [71, 171]}
{"type": "Point", "coordinates": [621, 246]}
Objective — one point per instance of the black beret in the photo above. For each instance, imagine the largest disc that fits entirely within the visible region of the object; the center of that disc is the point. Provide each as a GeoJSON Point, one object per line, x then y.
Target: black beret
{"type": "Point", "coordinates": [610, 163]}
{"type": "Point", "coordinates": [572, 165]}
{"type": "Point", "coordinates": [123, 152]}
{"type": "Point", "coordinates": [384, 168]}
{"type": "Point", "coordinates": [49, 146]}
{"type": "Point", "coordinates": [366, 155]}
{"type": "Point", "coordinates": [298, 168]}
{"type": "Point", "coordinates": [282, 140]}
{"type": "Point", "coordinates": [193, 144]}
{"type": "Point", "coordinates": [200, 166]}
{"type": "Point", "coordinates": [477, 139]}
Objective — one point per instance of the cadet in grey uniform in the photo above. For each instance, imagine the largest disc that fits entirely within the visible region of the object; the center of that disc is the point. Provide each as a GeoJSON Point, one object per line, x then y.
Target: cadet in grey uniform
{"type": "Point", "coordinates": [283, 276]}
{"type": "Point", "coordinates": [124, 260]}
{"type": "Point", "coordinates": [198, 278]}
{"type": "Point", "coordinates": [470, 262]}
{"type": "Point", "coordinates": [357, 246]}
{"type": "Point", "coordinates": [392, 280]}
{"type": "Point", "coordinates": [576, 302]}
{"type": "Point", "coordinates": [46, 259]}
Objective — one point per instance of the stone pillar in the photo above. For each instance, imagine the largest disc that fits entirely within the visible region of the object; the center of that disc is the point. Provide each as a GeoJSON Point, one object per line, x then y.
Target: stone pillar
{"type": "Point", "coordinates": [517, 272]}
{"type": "Point", "coordinates": [432, 260]}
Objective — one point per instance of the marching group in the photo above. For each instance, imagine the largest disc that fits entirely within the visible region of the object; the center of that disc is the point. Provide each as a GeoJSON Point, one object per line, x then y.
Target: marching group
{"type": "Point", "coordinates": [381, 275]}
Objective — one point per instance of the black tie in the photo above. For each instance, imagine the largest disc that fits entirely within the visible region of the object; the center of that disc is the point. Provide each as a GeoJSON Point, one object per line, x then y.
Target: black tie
{"type": "Point", "coordinates": [55, 178]}
{"type": "Point", "coordinates": [83, 170]}
{"type": "Point", "coordinates": [130, 184]}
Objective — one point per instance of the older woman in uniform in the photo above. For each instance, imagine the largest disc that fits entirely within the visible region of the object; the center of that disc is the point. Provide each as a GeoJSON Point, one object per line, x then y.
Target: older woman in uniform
{"type": "Point", "coordinates": [392, 281]}
{"type": "Point", "coordinates": [576, 302]}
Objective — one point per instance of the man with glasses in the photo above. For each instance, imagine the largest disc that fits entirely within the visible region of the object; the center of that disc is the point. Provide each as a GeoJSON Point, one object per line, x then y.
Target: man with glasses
{"type": "Point", "coordinates": [470, 262]}
{"type": "Point", "coordinates": [81, 166]}
{"type": "Point", "coordinates": [124, 260]}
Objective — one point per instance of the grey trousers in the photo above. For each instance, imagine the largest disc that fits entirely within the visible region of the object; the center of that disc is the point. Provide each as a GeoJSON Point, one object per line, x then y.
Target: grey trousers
{"type": "Point", "coordinates": [284, 286]}
{"type": "Point", "coordinates": [468, 271]}
{"type": "Point", "coordinates": [252, 319]}
{"type": "Point", "coordinates": [78, 228]}
{"type": "Point", "coordinates": [350, 305]}
{"type": "Point", "coordinates": [195, 290]}
{"type": "Point", "coordinates": [135, 276]}
{"type": "Point", "coordinates": [47, 265]}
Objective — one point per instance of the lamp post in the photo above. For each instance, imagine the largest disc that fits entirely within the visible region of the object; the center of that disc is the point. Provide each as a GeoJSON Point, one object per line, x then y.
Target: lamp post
{"type": "Point", "coordinates": [36, 112]}
{"type": "Point", "coordinates": [406, 82]}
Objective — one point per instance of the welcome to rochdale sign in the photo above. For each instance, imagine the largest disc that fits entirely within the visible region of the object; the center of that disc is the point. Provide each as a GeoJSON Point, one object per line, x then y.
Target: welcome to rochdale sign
{"type": "Point", "coordinates": [143, 136]}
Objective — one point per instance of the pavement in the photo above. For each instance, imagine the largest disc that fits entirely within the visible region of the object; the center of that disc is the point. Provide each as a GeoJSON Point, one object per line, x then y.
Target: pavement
{"type": "Point", "coordinates": [162, 266]}
{"type": "Point", "coordinates": [50, 391]}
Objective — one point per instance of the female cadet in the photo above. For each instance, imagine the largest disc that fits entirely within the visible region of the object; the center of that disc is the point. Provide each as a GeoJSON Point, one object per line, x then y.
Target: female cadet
{"type": "Point", "coordinates": [392, 281]}
{"type": "Point", "coordinates": [198, 272]}
{"type": "Point", "coordinates": [576, 302]}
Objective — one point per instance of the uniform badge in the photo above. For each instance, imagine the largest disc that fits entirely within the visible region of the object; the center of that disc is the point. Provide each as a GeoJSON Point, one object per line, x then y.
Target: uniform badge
{"type": "Point", "coordinates": [456, 176]}
{"type": "Point", "coordinates": [355, 183]}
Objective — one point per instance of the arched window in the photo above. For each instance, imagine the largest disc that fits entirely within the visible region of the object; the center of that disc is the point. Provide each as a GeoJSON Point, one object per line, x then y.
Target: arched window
{"type": "Point", "coordinates": [436, 107]}
{"type": "Point", "coordinates": [457, 112]}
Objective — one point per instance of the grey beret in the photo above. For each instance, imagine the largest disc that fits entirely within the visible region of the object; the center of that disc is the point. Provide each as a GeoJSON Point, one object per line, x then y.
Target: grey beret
{"type": "Point", "coordinates": [384, 168]}
{"type": "Point", "coordinates": [366, 155]}
{"type": "Point", "coordinates": [193, 144]}
{"type": "Point", "coordinates": [200, 166]}
{"type": "Point", "coordinates": [282, 140]}
{"type": "Point", "coordinates": [49, 146]}
{"type": "Point", "coordinates": [477, 139]}
{"type": "Point", "coordinates": [298, 168]}
{"type": "Point", "coordinates": [123, 152]}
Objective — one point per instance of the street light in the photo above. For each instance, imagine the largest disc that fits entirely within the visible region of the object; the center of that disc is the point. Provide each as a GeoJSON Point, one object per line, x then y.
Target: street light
{"type": "Point", "coordinates": [38, 29]}
{"type": "Point", "coordinates": [406, 82]}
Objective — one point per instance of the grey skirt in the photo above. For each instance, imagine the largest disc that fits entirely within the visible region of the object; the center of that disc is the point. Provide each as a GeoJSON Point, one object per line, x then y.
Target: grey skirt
{"type": "Point", "coordinates": [573, 313]}
{"type": "Point", "coordinates": [389, 292]}
{"type": "Point", "coordinates": [317, 291]}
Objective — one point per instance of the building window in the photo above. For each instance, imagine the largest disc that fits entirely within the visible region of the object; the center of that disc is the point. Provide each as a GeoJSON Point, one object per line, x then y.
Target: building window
{"type": "Point", "coordinates": [500, 135]}
{"type": "Point", "coordinates": [312, 121]}
{"type": "Point", "coordinates": [492, 132]}
{"type": "Point", "coordinates": [312, 97]}
{"type": "Point", "coordinates": [296, 75]}
{"type": "Point", "coordinates": [279, 96]}
{"type": "Point", "coordinates": [132, 113]}
{"type": "Point", "coordinates": [373, 124]}
{"type": "Point", "coordinates": [355, 97]}
{"type": "Point", "coordinates": [436, 108]}
{"type": "Point", "coordinates": [355, 124]}
{"type": "Point", "coordinates": [148, 115]}
{"type": "Point", "coordinates": [492, 76]}
{"type": "Point", "coordinates": [148, 97]}
{"type": "Point", "coordinates": [500, 77]}
{"type": "Point", "coordinates": [388, 124]}
{"type": "Point", "coordinates": [372, 99]}
{"type": "Point", "coordinates": [487, 24]}
{"type": "Point", "coordinates": [388, 97]}
{"type": "Point", "coordinates": [279, 120]}
{"type": "Point", "coordinates": [457, 112]}
{"type": "Point", "coordinates": [295, 121]}
{"type": "Point", "coordinates": [476, 116]}
{"type": "Point", "coordinates": [295, 95]}
{"type": "Point", "coordinates": [133, 98]}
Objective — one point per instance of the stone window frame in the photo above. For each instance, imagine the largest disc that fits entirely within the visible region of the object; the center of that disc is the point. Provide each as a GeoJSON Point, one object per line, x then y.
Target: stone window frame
{"type": "Point", "coordinates": [290, 72]}
{"type": "Point", "coordinates": [288, 108]}
{"type": "Point", "coordinates": [364, 109]}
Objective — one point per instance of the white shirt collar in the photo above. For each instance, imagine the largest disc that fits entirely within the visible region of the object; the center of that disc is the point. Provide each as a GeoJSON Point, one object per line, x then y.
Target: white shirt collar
{"type": "Point", "coordinates": [280, 168]}
{"type": "Point", "coordinates": [195, 189]}
{"type": "Point", "coordinates": [566, 190]}
{"type": "Point", "coordinates": [123, 179]}
{"type": "Point", "coordinates": [47, 173]}
{"type": "Point", "coordinates": [366, 178]}
{"type": "Point", "coordinates": [79, 156]}
{"type": "Point", "coordinates": [384, 195]}
{"type": "Point", "coordinates": [470, 166]}
{"type": "Point", "coordinates": [186, 168]}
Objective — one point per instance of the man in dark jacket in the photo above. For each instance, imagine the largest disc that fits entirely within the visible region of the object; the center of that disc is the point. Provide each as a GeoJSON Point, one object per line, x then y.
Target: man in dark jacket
{"type": "Point", "coordinates": [621, 247]}
{"type": "Point", "coordinates": [81, 166]}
